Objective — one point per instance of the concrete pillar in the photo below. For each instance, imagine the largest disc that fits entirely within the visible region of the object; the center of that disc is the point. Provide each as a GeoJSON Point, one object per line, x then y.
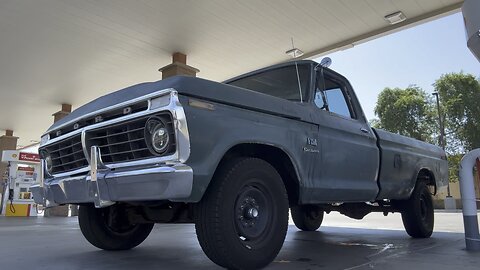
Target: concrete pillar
{"type": "Point", "coordinates": [178, 67]}
{"type": "Point", "coordinates": [7, 142]}
{"type": "Point", "coordinates": [61, 211]}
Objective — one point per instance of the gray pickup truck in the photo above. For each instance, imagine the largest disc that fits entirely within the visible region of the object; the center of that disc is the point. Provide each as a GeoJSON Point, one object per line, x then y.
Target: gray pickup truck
{"type": "Point", "coordinates": [234, 158]}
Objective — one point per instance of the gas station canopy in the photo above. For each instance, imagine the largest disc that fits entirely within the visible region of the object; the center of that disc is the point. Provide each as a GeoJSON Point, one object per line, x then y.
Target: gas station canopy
{"type": "Point", "coordinates": [55, 52]}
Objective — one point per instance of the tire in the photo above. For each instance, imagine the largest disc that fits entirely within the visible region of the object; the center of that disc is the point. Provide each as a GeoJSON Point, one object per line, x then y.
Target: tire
{"type": "Point", "coordinates": [307, 217]}
{"type": "Point", "coordinates": [106, 228]}
{"type": "Point", "coordinates": [417, 212]}
{"type": "Point", "coordinates": [242, 220]}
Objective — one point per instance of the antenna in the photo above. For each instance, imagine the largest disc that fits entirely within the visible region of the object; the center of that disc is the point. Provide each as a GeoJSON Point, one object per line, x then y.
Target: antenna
{"type": "Point", "coordinates": [294, 53]}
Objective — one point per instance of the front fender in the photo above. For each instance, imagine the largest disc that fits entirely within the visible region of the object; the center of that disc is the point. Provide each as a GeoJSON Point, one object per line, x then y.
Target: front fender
{"type": "Point", "coordinates": [214, 131]}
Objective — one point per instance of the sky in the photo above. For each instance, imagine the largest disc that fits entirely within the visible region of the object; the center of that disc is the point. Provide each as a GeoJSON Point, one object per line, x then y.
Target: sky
{"type": "Point", "coordinates": [415, 56]}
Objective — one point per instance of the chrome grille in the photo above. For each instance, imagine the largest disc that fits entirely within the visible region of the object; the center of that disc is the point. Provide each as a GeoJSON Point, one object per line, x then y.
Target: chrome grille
{"type": "Point", "coordinates": [109, 115]}
{"type": "Point", "coordinates": [67, 155]}
{"type": "Point", "coordinates": [125, 141]}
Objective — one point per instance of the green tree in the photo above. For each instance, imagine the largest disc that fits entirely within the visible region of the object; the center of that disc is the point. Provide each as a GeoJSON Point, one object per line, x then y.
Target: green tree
{"type": "Point", "coordinates": [453, 167]}
{"type": "Point", "coordinates": [375, 123]}
{"type": "Point", "coordinates": [408, 112]}
{"type": "Point", "coordinates": [460, 98]}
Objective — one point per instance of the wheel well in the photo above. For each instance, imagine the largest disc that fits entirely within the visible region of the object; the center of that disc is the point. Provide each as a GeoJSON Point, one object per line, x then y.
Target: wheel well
{"type": "Point", "coordinates": [273, 155]}
{"type": "Point", "coordinates": [427, 176]}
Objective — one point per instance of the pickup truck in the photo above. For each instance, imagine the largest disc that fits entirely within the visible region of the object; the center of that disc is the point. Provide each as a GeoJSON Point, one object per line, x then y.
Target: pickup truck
{"type": "Point", "coordinates": [233, 158]}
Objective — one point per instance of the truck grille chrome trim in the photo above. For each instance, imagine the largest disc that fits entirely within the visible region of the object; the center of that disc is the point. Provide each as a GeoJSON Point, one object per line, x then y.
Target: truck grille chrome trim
{"type": "Point", "coordinates": [67, 155]}
{"type": "Point", "coordinates": [126, 141]}
{"type": "Point", "coordinates": [107, 109]}
{"type": "Point", "coordinates": [176, 121]}
{"type": "Point", "coordinates": [101, 117]}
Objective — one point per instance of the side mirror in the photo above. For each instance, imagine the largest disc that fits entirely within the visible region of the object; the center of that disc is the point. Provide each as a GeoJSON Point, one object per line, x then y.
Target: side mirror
{"type": "Point", "coordinates": [326, 62]}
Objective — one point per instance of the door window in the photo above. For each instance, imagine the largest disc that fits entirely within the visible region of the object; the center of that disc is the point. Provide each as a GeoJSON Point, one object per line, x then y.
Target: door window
{"type": "Point", "coordinates": [333, 98]}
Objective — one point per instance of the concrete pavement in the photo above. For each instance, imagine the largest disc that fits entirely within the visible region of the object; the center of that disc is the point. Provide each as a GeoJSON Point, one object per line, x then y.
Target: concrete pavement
{"type": "Point", "coordinates": [376, 242]}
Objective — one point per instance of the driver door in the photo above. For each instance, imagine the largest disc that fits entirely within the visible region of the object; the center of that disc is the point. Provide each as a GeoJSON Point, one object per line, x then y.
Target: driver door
{"type": "Point", "coordinates": [350, 157]}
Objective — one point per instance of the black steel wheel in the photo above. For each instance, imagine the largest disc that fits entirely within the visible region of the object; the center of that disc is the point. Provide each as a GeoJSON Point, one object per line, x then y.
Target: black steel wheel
{"type": "Point", "coordinates": [418, 213]}
{"type": "Point", "coordinates": [242, 220]}
{"type": "Point", "coordinates": [307, 217]}
{"type": "Point", "coordinates": [108, 228]}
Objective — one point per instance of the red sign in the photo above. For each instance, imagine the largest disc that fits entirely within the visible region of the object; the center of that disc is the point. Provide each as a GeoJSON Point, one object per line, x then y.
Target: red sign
{"type": "Point", "coordinates": [26, 169]}
{"type": "Point", "coordinates": [29, 157]}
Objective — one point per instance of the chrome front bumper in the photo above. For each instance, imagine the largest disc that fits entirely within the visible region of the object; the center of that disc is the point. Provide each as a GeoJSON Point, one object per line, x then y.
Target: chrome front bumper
{"type": "Point", "coordinates": [104, 187]}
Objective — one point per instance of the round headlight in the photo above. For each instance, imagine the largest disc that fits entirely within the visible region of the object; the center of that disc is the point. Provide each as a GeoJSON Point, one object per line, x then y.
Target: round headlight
{"type": "Point", "coordinates": [160, 139]}
{"type": "Point", "coordinates": [157, 136]}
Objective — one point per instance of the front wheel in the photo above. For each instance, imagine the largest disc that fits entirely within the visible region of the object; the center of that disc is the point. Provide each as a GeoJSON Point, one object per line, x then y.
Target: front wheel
{"type": "Point", "coordinates": [417, 212]}
{"type": "Point", "coordinates": [242, 220]}
{"type": "Point", "coordinates": [108, 228]}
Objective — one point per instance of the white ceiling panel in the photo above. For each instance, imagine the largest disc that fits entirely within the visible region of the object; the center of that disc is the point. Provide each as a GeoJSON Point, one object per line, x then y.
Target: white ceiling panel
{"type": "Point", "coordinates": [68, 51]}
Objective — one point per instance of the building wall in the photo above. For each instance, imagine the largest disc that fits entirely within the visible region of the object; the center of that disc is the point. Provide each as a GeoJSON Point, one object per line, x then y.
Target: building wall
{"type": "Point", "coordinates": [455, 192]}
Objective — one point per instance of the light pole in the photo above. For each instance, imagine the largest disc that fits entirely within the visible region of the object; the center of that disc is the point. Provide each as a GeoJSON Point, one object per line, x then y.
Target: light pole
{"type": "Point", "coordinates": [441, 138]}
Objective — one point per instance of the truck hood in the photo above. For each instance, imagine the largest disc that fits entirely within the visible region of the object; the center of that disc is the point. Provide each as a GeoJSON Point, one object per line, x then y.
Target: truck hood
{"type": "Point", "coordinates": [198, 88]}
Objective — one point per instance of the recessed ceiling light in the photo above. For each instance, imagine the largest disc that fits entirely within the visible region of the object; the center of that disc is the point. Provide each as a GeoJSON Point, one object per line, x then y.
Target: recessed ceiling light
{"type": "Point", "coordinates": [396, 17]}
{"type": "Point", "coordinates": [295, 52]}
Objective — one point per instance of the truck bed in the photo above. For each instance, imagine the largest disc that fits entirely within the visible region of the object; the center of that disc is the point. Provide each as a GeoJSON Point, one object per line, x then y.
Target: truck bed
{"type": "Point", "coordinates": [402, 158]}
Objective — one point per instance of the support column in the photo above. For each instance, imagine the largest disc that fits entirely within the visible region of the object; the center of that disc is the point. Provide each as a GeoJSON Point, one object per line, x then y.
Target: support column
{"type": "Point", "coordinates": [66, 110]}
{"type": "Point", "coordinates": [469, 201]}
{"type": "Point", "coordinates": [61, 211]}
{"type": "Point", "coordinates": [178, 67]}
{"type": "Point", "coordinates": [7, 142]}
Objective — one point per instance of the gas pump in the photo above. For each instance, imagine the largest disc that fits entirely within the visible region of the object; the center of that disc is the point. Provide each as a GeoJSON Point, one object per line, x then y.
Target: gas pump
{"type": "Point", "coordinates": [22, 172]}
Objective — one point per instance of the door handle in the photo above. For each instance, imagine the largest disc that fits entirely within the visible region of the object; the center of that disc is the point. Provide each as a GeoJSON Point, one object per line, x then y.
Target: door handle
{"type": "Point", "coordinates": [364, 130]}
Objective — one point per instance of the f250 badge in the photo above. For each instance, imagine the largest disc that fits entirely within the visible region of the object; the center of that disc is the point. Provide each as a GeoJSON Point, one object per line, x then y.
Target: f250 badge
{"type": "Point", "coordinates": [312, 142]}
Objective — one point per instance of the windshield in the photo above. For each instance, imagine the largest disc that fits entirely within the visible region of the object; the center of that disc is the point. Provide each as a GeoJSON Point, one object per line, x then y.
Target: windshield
{"type": "Point", "coordinates": [281, 82]}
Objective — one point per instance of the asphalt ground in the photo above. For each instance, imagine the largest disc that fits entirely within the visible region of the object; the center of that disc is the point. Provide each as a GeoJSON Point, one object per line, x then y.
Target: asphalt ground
{"type": "Point", "coordinates": [376, 242]}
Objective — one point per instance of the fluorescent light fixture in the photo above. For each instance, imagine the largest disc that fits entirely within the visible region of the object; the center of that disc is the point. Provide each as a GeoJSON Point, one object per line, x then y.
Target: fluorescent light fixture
{"type": "Point", "coordinates": [295, 52]}
{"type": "Point", "coordinates": [396, 17]}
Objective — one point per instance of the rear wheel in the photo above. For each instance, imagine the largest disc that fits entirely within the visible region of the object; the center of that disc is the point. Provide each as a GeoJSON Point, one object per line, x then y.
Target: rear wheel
{"type": "Point", "coordinates": [307, 217]}
{"type": "Point", "coordinates": [242, 219]}
{"type": "Point", "coordinates": [417, 212]}
{"type": "Point", "coordinates": [108, 228]}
